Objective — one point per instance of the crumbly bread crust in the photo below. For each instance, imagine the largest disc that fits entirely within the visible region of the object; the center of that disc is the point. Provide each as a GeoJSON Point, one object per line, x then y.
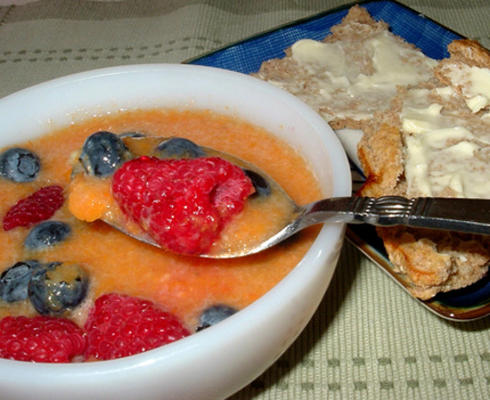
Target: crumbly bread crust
{"type": "Point", "coordinates": [465, 51]}
{"type": "Point", "coordinates": [436, 261]}
{"type": "Point", "coordinates": [431, 261]}
{"type": "Point", "coordinates": [381, 155]}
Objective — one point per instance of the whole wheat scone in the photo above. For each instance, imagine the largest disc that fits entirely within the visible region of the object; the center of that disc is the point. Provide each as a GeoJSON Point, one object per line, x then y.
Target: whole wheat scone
{"type": "Point", "coordinates": [350, 74]}
{"type": "Point", "coordinates": [433, 261]}
{"type": "Point", "coordinates": [362, 77]}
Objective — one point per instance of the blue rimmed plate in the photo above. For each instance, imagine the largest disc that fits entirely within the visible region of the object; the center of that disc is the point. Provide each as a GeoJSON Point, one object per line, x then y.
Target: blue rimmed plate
{"type": "Point", "coordinates": [431, 38]}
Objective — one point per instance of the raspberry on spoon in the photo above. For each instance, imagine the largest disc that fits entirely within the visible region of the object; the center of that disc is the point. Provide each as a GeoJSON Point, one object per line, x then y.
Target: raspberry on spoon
{"type": "Point", "coordinates": [183, 204]}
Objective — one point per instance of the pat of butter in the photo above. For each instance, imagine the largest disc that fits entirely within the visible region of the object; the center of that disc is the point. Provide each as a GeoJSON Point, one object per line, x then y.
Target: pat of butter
{"type": "Point", "coordinates": [416, 167]}
{"type": "Point", "coordinates": [477, 103]}
{"type": "Point", "coordinates": [390, 65]}
{"type": "Point", "coordinates": [443, 156]}
{"type": "Point", "coordinates": [330, 56]}
{"type": "Point", "coordinates": [475, 83]}
{"type": "Point", "coordinates": [419, 120]}
{"type": "Point", "coordinates": [456, 183]}
{"type": "Point", "coordinates": [356, 78]}
{"type": "Point", "coordinates": [445, 92]}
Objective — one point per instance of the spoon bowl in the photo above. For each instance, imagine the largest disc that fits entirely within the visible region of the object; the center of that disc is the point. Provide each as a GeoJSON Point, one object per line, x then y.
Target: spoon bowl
{"type": "Point", "coordinates": [463, 215]}
{"type": "Point", "coordinates": [233, 242]}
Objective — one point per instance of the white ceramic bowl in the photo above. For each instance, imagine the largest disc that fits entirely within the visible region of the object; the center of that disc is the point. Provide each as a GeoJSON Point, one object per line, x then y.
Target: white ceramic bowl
{"type": "Point", "coordinates": [220, 360]}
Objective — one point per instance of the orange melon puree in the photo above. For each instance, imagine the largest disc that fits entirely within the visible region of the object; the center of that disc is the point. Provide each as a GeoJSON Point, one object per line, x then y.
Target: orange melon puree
{"type": "Point", "coordinates": [116, 263]}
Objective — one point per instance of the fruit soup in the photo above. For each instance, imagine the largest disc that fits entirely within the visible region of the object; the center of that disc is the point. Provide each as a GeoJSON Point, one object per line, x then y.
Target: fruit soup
{"type": "Point", "coordinates": [184, 286]}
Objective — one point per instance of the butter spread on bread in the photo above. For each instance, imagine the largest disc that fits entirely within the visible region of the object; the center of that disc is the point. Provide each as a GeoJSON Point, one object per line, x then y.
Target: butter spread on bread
{"type": "Point", "coordinates": [426, 132]}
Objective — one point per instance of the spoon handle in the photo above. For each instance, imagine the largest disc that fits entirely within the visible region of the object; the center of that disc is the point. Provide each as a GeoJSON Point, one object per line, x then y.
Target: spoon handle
{"type": "Point", "coordinates": [462, 215]}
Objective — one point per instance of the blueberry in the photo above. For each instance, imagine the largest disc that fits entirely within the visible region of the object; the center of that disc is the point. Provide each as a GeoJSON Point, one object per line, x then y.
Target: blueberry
{"type": "Point", "coordinates": [177, 147]}
{"type": "Point", "coordinates": [102, 153]}
{"type": "Point", "coordinates": [58, 288]}
{"type": "Point", "coordinates": [214, 314]}
{"type": "Point", "coordinates": [19, 165]}
{"type": "Point", "coordinates": [14, 281]}
{"type": "Point", "coordinates": [46, 234]}
{"type": "Point", "coordinates": [262, 187]}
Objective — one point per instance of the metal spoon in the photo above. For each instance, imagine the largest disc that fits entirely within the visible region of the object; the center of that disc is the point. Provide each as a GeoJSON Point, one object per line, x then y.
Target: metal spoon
{"type": "Point", "coordinates": [462, 215]}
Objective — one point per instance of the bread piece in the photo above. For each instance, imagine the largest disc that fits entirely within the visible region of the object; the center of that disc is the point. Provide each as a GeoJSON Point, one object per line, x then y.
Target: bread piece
{"type": "Point", "coordinates": [381, 155]}
{"type": "Point", "coordinates": [362, 76]}
{"type": "Point", "coordinates": [432, 261]}
{"type": "Point", "coordinates": [468, 72]}
{"type": "Point", "coordinates": [353, 73]}
{"type": "Point", "coordinates": [436, 261]}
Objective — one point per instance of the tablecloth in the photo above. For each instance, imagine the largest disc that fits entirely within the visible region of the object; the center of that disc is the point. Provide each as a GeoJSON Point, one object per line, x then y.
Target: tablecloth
{"type": "Point", "coordinates": [368, 339]}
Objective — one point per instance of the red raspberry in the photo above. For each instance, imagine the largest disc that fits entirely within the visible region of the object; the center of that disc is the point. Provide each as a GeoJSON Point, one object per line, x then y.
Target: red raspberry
{"type": "Point", "coordinates": [120, 326]}
{"type": "Point", "coordinates": [37, 207]}
{"type": "Point", "coordinates": [182, 204]}
{"type": "Point", "coordinates": [41, 339]}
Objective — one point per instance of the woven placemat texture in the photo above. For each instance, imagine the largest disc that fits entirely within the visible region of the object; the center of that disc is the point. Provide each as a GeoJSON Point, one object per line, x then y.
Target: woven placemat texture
{"type": "Point", "coordinates": [368, 339]}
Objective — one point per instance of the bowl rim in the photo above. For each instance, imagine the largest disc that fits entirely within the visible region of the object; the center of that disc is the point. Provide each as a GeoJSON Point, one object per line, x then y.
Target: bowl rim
{"type": "Point", "coordinates": [341, 186]}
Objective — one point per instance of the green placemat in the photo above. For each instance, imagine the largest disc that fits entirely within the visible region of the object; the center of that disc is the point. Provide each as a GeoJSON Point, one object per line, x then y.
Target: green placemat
{"type": "Point", "coordinates": [368, 339]}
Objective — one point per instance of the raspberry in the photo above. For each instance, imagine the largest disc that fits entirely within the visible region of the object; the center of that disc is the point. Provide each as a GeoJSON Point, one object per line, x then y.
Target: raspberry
{"type": "Point", "coordinates": [120, 326]}
{"type": "Point", "coordinates": [37, 207]}
{"type": "Point", "coordinates": [183, 204]}
{"type": "Point", "coordinates": [40, 339]}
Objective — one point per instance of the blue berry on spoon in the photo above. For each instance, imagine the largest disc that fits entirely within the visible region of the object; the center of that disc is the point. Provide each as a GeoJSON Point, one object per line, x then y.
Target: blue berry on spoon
{"type": "Point", "coordinates": [177, 147]}
{"type": "Point", "coordinates": [102, 153]}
